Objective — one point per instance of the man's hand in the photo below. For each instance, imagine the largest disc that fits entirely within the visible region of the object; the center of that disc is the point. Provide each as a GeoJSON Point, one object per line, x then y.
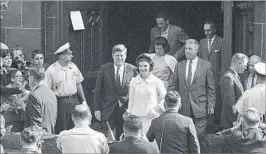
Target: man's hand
{"type": "Point", "coordinates": [98, 115]}
{"type": "Point", "coordinates": [84, 103]}
{"type": "Point", "coordinates": [210, 111]}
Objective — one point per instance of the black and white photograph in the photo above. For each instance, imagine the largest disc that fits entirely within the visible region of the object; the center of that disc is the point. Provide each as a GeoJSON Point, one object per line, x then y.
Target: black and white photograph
{"type": "Point", "coordinates": [132, 77]}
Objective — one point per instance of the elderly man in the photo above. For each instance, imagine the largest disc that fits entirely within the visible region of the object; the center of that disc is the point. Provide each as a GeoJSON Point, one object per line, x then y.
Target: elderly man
{"type": "Point", "coordinates": [133, 142]}
{"type": "Point", "coordinates": [248, 78]}
{"type": "Point", "coordinates": [64, 78]}
{"type": "Point", "coordinates": [195, 82]}
{"type": "Point", "coordinates": [174, 133]}
{"type": "Point", "coordinates": [211, 49]}
{"type": "Point", "coordinates": [41, 107]}
{"type": "Point", "coordinates": [111, 90]}
{"type": "Point", "coordinates": [255, 97]}
{"type": "Point", "coordinates": [232, 89]}
{"type": "Point", "coordinates": [245, 137]}
{"type": "Point", "coordinates": [167, 30]}
{"type": "Point", "coordinates": [82, 139]}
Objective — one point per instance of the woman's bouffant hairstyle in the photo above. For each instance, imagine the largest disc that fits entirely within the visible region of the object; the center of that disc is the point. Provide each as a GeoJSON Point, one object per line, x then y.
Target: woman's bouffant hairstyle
{"type": "Point", "coordinates": [162, 41]}
{"type": "Point", "coordinates": [12, 73]}
{"type": "Point", "coordinates": [144, 57]}
{"type": "Point", "coordinates": [32, 134]}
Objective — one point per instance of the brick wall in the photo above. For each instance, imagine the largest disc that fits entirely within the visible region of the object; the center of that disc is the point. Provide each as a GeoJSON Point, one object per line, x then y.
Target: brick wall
{"type": "Point", "coordinates": [22, 25]}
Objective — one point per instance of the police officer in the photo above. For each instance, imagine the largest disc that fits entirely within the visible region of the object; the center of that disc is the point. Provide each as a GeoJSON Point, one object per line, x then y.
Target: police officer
{"type": "Point", "coordinates": [64, 78]}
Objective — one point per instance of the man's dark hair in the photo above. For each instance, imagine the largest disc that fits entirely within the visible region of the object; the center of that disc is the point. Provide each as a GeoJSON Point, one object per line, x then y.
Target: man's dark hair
{"type": "Point", "coordinates": [172, 99]}
{"type": "Point", "coordinates": [211, 23]}
{"type": "Point", "coordinates": [37, 73]}
{"type": "Point", "coordinates": [35, 52]}
{"type": "Point", "coordinates": [133, 123]}
{"type": "Point", "coordinates": [162, 14]}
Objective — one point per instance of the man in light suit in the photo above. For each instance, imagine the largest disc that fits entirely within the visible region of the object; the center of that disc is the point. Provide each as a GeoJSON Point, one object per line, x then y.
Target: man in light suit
{"type": "Point", "coordinates": [195, 83]}
{"type": "Point", "coordinates": [232, 89]}
{"type": "Point", "coordinates": [211, 49]}
{"type": "Point", "coordinates": [174, 133]}
{"type": "Point", "coordinates": [167, 30]}
{"type": "Point", "coordinates": [111, 90]}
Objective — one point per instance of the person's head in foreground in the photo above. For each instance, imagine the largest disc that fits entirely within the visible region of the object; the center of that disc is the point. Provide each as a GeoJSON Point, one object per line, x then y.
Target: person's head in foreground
{"type": "Point", "coordinates": [81, 115]}
{"type": "Point", "coordinates": [172, 100]}
{"type": "Point", "coordinates": [31, 139]}
{"type": "Point", "coordinates": [133, 126]}
{"type": "Point", "coordinates": [250, 118]}
{"type": "Point", "coordinates": [260, 69]}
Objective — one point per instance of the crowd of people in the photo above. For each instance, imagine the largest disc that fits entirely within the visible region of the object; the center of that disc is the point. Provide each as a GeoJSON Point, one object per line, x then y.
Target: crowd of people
{"type": "Point", "coordinates": [163, 104]}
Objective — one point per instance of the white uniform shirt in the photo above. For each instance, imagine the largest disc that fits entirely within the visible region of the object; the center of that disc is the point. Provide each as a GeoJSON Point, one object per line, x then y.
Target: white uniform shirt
{"type": "Point", "coordinates": [254, 97]}
{"type": "Point", "coordinates": [145, 95]}
{"type": "Point", "coordinates": [82, 140]}
{"type": "Point", "coordinates": [63, 80]}
{"type": "Point", "coordinates": [194, 66]}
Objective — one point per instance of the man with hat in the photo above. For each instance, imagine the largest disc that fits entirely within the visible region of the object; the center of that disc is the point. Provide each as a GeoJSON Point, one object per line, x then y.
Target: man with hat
{"type": "Point", "coordinates": [248, 78]}
{"type": "Point", "coordinates": [64, 78]}
{"type": "Point", "coordinates": [254, 97]}
{"type": "Point", "coordinates": [247, 136]}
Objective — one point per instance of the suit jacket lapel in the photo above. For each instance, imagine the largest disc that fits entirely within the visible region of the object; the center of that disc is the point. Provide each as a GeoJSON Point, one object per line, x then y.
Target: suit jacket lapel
{"type": "Point", "coordinates": [170, 34]}
{"type": "Point", "coordinates": [126, 70]}
{"type": "Point", "coordinates": [112, 73]}
{"type": "Point", "coordinates": [214, 43]}
{"type": "Point", "coordinates": [183, 69]}
{"type": "Point", "coordinates": [197, 71]}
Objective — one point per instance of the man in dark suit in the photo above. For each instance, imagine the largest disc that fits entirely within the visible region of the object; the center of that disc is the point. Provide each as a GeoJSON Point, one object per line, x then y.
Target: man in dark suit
{"type": "Point", "coordinates": [247, 136]}
{"type": "Point", "coordinates": [195, 83]}
{"type": "Point", "coordinates": [133, 142]}
{"type": "Point", "coordinates": [211, 49]}
{"type": "Point", "coordinates": [232, 89]}
{"type": "Point", "coordinates": [248, 78]}
{"type": "Point", "coordinates": [111, 90]}
{"type": "Point", "coordinates": [167, 30]}
{"type": "Point", "coordinates": [174, 133]}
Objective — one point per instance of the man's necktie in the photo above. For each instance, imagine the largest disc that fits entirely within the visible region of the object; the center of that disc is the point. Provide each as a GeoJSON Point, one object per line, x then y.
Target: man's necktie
{"type": "Point", "coordinates": [117, 80]}
{"type": "Point", "coordinates": [189, 75]}
{"type": "Point", "coordinates": [209, 44]}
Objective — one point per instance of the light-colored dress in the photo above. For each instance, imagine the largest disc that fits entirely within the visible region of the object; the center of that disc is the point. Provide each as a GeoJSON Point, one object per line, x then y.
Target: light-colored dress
{"type": "Point", "coordinates": [164, 67]}
{"type": "Point", "coordinates": [146, 96]}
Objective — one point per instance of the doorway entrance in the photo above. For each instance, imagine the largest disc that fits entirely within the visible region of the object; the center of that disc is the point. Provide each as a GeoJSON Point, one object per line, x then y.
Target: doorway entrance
{"type": "Point", "coordinates": [130, 22]}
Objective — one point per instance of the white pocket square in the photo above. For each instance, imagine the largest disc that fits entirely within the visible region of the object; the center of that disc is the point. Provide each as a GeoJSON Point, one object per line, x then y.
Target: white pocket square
{"type": "Point", "coordinates": [216, 50]}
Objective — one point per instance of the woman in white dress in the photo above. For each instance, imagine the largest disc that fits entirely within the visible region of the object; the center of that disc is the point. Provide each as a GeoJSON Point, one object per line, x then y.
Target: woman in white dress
{"type": "Point", "coordinates": [146, 94]}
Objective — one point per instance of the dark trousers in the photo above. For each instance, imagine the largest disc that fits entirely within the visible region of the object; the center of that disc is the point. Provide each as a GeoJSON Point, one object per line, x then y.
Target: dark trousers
{"type": "Point", "coordinates": [116, 123]}
{"type": "Point", "coordinates": [201, 128]}
{"type": "Point", "coordinates": [65, 107]}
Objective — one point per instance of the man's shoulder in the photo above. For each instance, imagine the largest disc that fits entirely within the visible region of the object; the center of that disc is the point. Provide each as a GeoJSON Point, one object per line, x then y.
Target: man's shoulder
{"type": "Point", "coordinates": [175, 28]}
{"type": "Point", "coordinates": [205, 62]}
{"type": "Point", "coordinates": [107, 65]}
{"type": "Point", "coordinates": [130, 66]}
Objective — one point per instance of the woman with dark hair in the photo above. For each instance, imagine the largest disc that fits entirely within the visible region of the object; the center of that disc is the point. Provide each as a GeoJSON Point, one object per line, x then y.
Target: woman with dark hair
{"type": "Point", "coordinates": [146, 94]}
{"type": "Point", "coordinates": [164, 64]}
{"type": "Point", "coordinates": [13, 105]}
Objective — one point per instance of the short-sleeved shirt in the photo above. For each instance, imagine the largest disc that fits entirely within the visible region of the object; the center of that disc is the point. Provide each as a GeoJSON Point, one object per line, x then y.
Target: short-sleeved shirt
{"type": "Point", "coordinates": [254, 97]}
{"type": "Point", "coordinates": [63, 80]}
{"type": "Point", "coordinates": [82, 140]}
